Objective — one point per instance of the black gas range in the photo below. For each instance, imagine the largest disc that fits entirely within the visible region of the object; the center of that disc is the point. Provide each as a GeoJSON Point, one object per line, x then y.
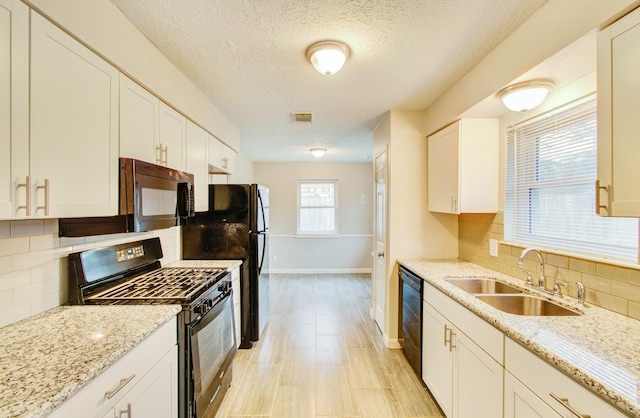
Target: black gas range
{"type": "Point", "coordinates": [131, 273]}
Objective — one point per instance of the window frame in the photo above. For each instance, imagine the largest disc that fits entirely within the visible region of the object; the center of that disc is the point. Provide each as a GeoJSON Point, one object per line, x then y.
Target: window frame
{"type": "Point", "coordinates": [522, 185]}
{"type": "Point", "coordinates": [335, 207]}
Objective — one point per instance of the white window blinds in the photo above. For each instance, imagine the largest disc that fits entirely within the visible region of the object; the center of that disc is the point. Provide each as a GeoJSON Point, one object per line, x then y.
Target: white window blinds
{"type": "Point", "coordinates": [317, 206]}
{"type": "Point", "coordinates": [550, 197]}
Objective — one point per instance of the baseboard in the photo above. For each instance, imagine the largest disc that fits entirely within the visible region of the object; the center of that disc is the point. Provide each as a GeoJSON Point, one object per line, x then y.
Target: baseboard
{"type": "Point", "coordinates": [321, 271]}
{"type": "Point", "coordinates": [392, 344]}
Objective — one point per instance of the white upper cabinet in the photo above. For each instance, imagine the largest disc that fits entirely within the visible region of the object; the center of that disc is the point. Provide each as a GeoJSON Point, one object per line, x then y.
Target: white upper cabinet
{"type": "Point", "coordinates": [222, 159]}
{"type": "Point", "coordinates": [14, 106]}
{"type": "Point", "coordinates": [617, 192]}
{"type": "Point", "coordinates": [73, 150]}
{"type": "Point", "coordinates": [149, 129]}
{"type": "Point", "coordinates": [198, 164]}
{"type": "Point", "coordinates": [463, 167]}
{"type": "Point", "coordinates": [139, 122]}
{"type": "Point", "coordinates": [173, 130]}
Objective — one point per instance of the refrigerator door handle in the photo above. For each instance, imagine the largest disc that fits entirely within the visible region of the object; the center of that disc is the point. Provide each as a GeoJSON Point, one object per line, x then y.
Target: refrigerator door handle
{"type": "Point", "coordinates": [264, 251]}
{"type": "Point", "coordinates": [264, 219]}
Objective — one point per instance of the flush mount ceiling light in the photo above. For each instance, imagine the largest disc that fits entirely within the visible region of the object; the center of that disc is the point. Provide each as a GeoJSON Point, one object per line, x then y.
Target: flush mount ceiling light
{"type": "Point", "coordinates": [318, 152]}
{"type": "Point", "coordinates": [328, 57]}
{"type": "Point", "coordinates": [524, 96]}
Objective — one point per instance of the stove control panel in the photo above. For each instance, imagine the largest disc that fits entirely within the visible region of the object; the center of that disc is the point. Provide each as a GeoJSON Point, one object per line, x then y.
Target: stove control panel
{"type": "Point", "coordinates": [225, 286]}
{"type": "Point", "coordinates": [129, 253]}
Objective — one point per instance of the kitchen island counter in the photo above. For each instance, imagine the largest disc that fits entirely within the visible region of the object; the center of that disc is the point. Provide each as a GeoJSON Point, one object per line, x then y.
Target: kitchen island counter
{"type": "Point", "coordinates": [599, 348]}
{"type": "Point", "coordinates": [46, 359]}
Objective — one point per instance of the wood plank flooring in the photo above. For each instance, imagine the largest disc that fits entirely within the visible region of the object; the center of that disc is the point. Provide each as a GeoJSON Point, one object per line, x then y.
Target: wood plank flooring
{"type": "Point", "coordinates": [322, 356]}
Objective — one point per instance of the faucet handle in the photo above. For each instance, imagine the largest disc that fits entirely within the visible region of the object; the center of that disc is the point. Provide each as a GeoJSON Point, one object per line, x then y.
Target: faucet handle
{"type": "Point", "coordinates": [529, 279]}
{"type": "Point", "coordinates": [557, 287]}
{"type": "Point", "coordinates": [580, 293]}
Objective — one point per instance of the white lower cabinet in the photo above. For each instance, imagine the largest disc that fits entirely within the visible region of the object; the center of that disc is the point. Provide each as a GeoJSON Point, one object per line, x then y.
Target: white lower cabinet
{"type": "Point", "coordinates": [463, 377]}
{"type": "Point", "coordinates": [143, 383]}
{"type": "Point", "coordinates": [552, 387]}
{"type": "Point", "coordinates": [520, 402]}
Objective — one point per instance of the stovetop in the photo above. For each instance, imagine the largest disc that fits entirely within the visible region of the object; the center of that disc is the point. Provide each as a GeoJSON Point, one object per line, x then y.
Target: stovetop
{"type": "Point", "coordinates": [165, 285]}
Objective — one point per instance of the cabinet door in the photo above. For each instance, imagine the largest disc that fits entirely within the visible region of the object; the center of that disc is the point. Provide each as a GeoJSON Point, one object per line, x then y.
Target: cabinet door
{"type": "Point", "coordinates": [197, 164]}
{"type": "Point", "coordinates": [478, 381]}
{"type": "Point", "coordinates": [443, 172]}
{"type": "Point", "coordinates": [437, 358]}
{"type": "Point", "coordinates": [156, 395]}
{"type": "Point", "coordinates": [215, 153]}
{"type": "Point", "coordinates": [139, 122]}
{"type": "Point", "coordinates": [172, 137]}
{"type": "Point", "coordinates": [228, 159]}
{"type": "Point", "coordinates": [520, 402]}
{"type": "Point", "coordinates": [618, 122]}
{"type": "Point", "coordinates": [14, 107]}
{"type": "Point", "coordinates": [74, 126]}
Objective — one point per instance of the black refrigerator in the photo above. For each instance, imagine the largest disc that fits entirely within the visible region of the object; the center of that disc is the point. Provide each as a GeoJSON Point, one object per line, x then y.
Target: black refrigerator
{"type": "Point", "coordinates": [236, 227]}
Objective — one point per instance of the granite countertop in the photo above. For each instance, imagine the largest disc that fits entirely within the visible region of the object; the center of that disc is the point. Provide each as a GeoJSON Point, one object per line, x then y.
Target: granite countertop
{"type": "Point", "coordinates": [46, 359]}
{"type": "Point", "coordinates": [228, 264]}
{"type": "Point", "coordinates": [598, 349]}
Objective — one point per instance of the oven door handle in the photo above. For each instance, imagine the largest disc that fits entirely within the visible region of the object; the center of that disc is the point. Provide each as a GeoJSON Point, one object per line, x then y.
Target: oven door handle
{"type": "Point", "coordinates": [216, 305]}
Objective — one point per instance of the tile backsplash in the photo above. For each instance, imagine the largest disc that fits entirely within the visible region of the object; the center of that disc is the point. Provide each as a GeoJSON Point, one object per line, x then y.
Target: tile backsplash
{"type": "Point", "coordinates": [33, 263]}
{"type": "Point", "coordinates": [609, 286]}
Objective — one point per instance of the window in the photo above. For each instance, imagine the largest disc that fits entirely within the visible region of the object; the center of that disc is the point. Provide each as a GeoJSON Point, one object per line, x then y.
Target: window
{"type": "Point", "coordinates": [317, 206]}
{"type": "Point", "coordinates": [550, 197]}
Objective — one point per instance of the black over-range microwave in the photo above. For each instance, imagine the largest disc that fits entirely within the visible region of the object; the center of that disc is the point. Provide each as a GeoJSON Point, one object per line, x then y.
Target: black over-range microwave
{"type": "Point", "coordinates": [151, 197]}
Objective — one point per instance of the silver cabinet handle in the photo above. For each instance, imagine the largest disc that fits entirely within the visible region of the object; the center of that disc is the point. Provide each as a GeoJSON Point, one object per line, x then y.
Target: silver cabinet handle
{"type": "Point", "coordinates": [450, 339]}
{"type": "Point", "coordinates": [126, 411]}
{"type": "Point", "coordinates": [27, 186]}
{"type": "Point", "coordinates": [160, 151]}
{"type": "Point", "coordinates": [225, 163]}
{"type": "Point", "coordinates": [608, 190]}
{"type": "Point", "coordinates": [565, 402]}
{"type": "Point", "coordinates": [380, 254]}
{"type": "Point", "coordinates": [123, 382]}
{"type": "Point", "coordinates": [46, 197]}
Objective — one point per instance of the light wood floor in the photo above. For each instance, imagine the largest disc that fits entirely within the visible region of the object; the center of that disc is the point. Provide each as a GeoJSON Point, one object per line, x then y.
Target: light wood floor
{"type": "Point", "coordinates": [322, 355]}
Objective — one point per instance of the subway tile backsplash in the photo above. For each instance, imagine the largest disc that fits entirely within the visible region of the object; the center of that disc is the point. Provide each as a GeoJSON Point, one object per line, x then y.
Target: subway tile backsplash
{"type": "Point", "coordinates": [609, 286]}
{"type": "Point", "coordinates": [33, 263]}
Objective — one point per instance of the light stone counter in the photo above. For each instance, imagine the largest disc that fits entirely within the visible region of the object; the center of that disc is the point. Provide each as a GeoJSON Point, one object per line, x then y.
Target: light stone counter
{"type": "Point", "coordinates": [600, 349]}
{"type": "Point", "coordinates": [227, 264]}
{"type": "Point", "coordinates": [46, 359]}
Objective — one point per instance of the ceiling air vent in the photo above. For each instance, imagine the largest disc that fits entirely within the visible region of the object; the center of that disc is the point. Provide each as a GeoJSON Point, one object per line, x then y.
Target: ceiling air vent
{"type": "Point", "coordinates": [302, 117]}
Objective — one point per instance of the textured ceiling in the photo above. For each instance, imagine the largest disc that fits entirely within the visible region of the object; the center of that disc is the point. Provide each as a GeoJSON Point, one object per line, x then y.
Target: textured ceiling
{"type": "Point", "coordinates": [248, 57]}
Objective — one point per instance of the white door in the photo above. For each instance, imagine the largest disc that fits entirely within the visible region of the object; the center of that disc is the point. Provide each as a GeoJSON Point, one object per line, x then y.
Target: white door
{"type": "Point", "coordinates": [437, 357]}
{"type": "Point", "coordinates": [197, 143]}
{"type": "Point", "coordinates": [74, 126]}
{"type": "Point", "coordinates": [172, 137]}
{"type": "Point", "coordinates": [380, 271]}
{"type": "Point", "coordinates": [14, 108]}
{"type": "Point", "coordinates": [139, 122]}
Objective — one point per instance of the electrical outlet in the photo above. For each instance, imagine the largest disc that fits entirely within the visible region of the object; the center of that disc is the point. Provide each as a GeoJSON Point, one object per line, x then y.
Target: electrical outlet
{"type": "Point", "coordinates": [493, 247]}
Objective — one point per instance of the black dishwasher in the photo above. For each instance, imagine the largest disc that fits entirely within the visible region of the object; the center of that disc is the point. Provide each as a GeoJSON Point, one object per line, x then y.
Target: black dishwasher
{"type": "Point", "coordinates": [410, 314]}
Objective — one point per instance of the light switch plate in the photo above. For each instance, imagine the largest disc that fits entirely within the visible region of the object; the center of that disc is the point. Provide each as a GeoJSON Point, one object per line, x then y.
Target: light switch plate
{"type": "Point", "coordinates": [493, 247]}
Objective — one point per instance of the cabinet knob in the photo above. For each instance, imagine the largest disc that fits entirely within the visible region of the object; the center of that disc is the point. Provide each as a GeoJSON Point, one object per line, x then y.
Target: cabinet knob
{"type": "Point", "coordinates": [381, 254]}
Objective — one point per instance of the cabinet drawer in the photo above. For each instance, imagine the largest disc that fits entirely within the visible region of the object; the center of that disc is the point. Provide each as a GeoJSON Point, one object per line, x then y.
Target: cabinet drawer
{"type": "Point", "coordinates": [482, 333]}
{"type": "Point", "coordinates": [92, 398]}
{"type": "Point", "coordinates": [544, 379]}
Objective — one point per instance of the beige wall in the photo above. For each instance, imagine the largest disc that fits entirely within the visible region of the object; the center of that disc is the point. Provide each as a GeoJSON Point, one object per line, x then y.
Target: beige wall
{"type": "Point", "coordinates": [101, 26]}
{"type": "Point", "coordinates": [350, 251]}
{"type": "Point", "coordinates": [33, 263]}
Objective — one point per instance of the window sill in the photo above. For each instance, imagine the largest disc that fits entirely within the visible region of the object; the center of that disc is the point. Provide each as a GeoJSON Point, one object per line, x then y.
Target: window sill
{"type": "Point", "coordinates": [621, 262]}
{"type": "Point", "coordinates": [325, 235]}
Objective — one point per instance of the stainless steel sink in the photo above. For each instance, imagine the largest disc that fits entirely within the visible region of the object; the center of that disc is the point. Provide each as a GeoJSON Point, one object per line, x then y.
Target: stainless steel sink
{"type": "Point", "coordinates": [525, 305]}
{"type": "Point", "coordinates": [481, 285]}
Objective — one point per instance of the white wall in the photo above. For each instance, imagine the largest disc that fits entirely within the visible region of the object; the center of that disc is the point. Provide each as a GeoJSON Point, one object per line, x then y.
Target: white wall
{"type": "Point", "coordinates": [34, 263]}
{"type": "Point", "coordinates": [351, 250]}
{"type": "Point", "coordinates": [101, 26]}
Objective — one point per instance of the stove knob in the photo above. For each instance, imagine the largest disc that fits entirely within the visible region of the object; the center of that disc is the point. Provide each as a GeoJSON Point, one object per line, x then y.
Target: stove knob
{"type": "Point", "coordinates": [203, 307]}
{"type": "Point", "coordinates": [224, 286]}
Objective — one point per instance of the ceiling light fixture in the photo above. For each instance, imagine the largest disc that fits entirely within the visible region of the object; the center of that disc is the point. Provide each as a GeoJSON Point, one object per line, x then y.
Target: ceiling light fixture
{"type": "Point", "coordinates": [318, 152]}
{"type": "Point", "coordinates": [524, 96]}
{"type": "Point", "coordinates": [328, 57]}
